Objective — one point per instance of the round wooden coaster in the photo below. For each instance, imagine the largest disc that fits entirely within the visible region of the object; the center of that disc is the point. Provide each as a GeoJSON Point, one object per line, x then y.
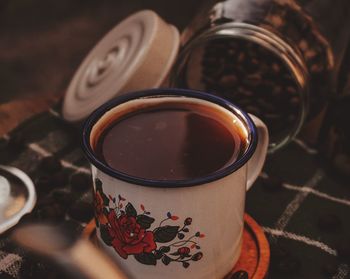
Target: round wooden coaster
{"type": "Point", "coordinates": [255, 255]}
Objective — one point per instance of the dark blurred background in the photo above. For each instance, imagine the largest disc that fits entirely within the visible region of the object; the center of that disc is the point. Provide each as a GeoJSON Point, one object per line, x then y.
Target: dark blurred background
{"type": "Point", "coordinates": [42, 42]}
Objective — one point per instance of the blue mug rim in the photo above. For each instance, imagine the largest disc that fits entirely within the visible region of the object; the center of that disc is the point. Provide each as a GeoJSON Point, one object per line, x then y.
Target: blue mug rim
{"type": "Point", "coordinates": [169, 92]}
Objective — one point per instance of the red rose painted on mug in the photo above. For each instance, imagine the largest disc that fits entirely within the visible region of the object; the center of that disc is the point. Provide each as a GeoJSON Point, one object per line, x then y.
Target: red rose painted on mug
{"type": "Point", "coordinates": [130, 232]}
{"type": "Point", "coordinates": [128, 236]}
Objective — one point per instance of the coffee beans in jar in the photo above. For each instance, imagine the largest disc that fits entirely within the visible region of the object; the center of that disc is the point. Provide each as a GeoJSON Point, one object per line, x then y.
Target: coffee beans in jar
{"type": "Point", "coordinates": [274, 58]}
{"type": "Point", "coordinates": [254, 79]}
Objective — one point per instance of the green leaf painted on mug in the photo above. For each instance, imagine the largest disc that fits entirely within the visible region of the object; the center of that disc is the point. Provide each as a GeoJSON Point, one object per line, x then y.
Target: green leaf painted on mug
{"type": "Point", "coordinates": [98, 184]}
{"type": "Point", "coordinates": [105, 235]}
{"type": "Point", "coordinates": [164, 249]}
{"type": "Point", "coordinates": [165, 234]}
{"type": "Point", "coordinates": [146, 258]}
{"type": "Point", "coordinates": [185, 264]}
{"type": "Point", "coordinates": [105, 199]}
{"type": "Point", "coordinates": [166, 260]}
{"type": "Point", "coordinates": [158, 254]}
{"type": "Point", "coordinates": [130, 210]}
{"type": "Point", "coordinates": [197, 256]}
{"type": "Point", "coordinates": [99, 190]}
{"type": "Point", "coordinates": [97, 222]}
{"type": "Point", "coordinates": [105, 211]}
{"type": "Point", "coordinates": [144, 221]}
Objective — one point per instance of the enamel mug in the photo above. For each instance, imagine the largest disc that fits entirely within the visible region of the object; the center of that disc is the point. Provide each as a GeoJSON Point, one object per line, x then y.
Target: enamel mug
{"type": "Point", "coordinates": [174, 229]}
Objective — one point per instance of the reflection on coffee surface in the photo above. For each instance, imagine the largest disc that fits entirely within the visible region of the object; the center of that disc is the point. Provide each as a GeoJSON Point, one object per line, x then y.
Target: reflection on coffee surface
{"type": "Point", "coordinates": [170, 143]}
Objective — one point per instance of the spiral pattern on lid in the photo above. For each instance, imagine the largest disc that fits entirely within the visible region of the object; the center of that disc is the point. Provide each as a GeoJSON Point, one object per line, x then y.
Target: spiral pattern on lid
{"type": "Point", "coordinates": [118, 63]}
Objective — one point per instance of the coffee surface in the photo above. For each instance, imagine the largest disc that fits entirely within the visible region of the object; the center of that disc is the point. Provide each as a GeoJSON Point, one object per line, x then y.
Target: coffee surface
{"type": "Point", "coordinates": [169, 144]}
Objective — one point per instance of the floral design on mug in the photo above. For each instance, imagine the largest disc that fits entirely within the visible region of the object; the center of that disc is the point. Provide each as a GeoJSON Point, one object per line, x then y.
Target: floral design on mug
{"type": "Point", "coordinates": [130, 233]}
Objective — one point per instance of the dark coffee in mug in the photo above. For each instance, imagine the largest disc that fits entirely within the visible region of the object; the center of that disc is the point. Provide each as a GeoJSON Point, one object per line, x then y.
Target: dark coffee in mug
{"type": "Point", "coordinates": [169, 141]}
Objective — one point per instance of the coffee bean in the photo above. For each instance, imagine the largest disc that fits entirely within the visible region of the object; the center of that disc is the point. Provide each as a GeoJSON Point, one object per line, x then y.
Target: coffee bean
{"type": "Point", "coordinates": [276, 68]}
{"type": "Point", "coordinates": [247, 94]}
{"type": "Point", "coordinates": [59, 179]}
{"type": "Point", "coordinates": [16, 142]}
{"type": "Point", "coordinates": [291, 90]}
{"type": "Point", "coordinates": [209, 83]}
{"type": "Point", "coordinates": [45, 200]}
{"type": "Point", "coordinates": [303, 45]}
{"type": "Point", "coordinates": [316, 68]}
{"type": "Point", "coordinates": [62, 197]}
{"type": "Point", "coordinates": [42, 184]}
{"type": "Point", "coordinates": [209, 62]}
{"type": "Point", "coordinates": [52, 213]}
{"type": "Point", "coordinates": [241, 57]}
{"type": "Point", "coordinates": [253, 79]}
{"type": "Point", "coordinates": [81, 211]}
{"type": "Point", "coordinates": [213, 74]}
{"type": "Point", "coordinates": [329, 223]}
{"type": "Point", "coordinates": [228, 81]}
{"type": "Point", "coordinates": [231, 52]}
{"type": "Point", "coordinates": [51, 164]}
{"type": "Point", "coordinates": [80, 182]}
{"type": "Point", "coordinates": [241, 274]}
{"type": "Point", "coordinates": [275, 20]}
{"type": "Point", "coordinates": [310, 54]}
{"type": "Point", "coordinates": [294, 101]}
{"type": "Point", "coordinates": [292, 31]}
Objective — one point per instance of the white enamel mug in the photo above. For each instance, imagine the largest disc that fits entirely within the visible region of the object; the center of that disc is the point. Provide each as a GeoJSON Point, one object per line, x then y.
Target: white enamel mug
{"type": "Point", "coordinates": [174, 229]}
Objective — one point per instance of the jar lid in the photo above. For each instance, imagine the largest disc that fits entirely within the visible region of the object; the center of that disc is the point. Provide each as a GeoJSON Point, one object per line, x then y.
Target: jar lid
{"type": "Point", "coordinates": [17, 196]}
{"type": "Point", "coordinates": [136, 54]}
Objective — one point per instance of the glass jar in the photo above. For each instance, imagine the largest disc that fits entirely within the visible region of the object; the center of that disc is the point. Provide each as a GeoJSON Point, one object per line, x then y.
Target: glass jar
{"type": "Point", "coordinates": [277, 59]}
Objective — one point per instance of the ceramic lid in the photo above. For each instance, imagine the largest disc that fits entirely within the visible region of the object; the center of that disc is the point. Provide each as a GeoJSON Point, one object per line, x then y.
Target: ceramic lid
{"type": "Point", "coordinates": [17, 196]}
{"type": "Point", "coordinates": [136, 54]}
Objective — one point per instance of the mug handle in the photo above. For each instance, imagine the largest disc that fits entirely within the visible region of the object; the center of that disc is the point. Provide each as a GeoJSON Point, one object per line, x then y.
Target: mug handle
{"type": "Point", "coordinates": [256, 162]}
